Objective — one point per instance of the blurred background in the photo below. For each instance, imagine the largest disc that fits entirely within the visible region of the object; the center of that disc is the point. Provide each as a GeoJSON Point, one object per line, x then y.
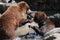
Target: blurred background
{"type": "Point", "coordinates": [40, 5]}
{"type": "Point", "coordinates": [49, 6]}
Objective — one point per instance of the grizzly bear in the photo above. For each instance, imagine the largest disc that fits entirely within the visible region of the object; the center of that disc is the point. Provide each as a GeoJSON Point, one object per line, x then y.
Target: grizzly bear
{"type": "Point", "coordinates": [45, 24]}
{"type": "Point", "coordinates": [44, 19]}
{"type": "Point", "coordinates": [11, 18]}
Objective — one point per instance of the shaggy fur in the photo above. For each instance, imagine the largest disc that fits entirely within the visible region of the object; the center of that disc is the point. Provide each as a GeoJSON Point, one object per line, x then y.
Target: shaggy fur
{"type": "Point", "coordinates": [39, 17]}
{"type": "Point", "coordinates": [11, 18]}
{"type": "Point", "coordinates": [47, 23]}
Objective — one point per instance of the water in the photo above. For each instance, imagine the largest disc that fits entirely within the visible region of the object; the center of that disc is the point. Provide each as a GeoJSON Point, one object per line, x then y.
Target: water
{"type": "Point", "coordinates": [31, 36]}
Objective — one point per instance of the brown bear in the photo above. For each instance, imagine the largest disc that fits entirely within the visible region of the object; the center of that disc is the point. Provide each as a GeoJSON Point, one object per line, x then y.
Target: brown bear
{"type": "Point", "coordinates": [47, 23]}
{"type": "Point", "coordinates": [11, 18]}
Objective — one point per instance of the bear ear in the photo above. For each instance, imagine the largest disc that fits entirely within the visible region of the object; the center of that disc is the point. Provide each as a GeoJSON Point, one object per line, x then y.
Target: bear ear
{"type": "Point", "coordinates": [23, 4]}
